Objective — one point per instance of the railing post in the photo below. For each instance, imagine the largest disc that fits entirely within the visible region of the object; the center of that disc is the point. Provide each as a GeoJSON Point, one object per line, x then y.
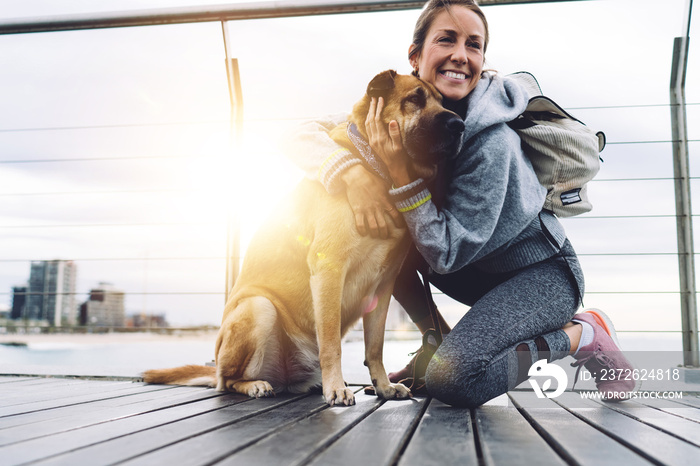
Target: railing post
{"type": "Point", "coordinates": [684, 219]}
{"type": "Point", "coordinates": [233, 234]}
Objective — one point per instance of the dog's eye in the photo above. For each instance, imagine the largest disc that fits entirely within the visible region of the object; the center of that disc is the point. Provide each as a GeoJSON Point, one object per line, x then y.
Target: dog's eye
{"type": "Point", "coordinates": [418, 98]}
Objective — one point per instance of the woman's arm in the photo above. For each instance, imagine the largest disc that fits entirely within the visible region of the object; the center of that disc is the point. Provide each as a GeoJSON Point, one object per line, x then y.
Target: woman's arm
{"type": "Point", "coordinates": [471, 222]}
{"type": "Point", "coordinates": [310, 147]}
{"type": "Point", "coordinates": [492, 195]}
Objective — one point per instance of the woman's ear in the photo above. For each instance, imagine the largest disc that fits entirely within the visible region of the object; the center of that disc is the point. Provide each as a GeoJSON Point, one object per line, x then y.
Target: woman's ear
{"type": "Point", "coordinates": [413, 56]}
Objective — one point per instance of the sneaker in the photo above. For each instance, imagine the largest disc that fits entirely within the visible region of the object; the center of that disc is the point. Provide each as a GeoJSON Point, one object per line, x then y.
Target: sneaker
{"type": "Point", "coordinates": [413, 375]}
{"type": "Point", "coordinates": [398, 376]}
{"type": "Point", "coordinates": [613, 372]}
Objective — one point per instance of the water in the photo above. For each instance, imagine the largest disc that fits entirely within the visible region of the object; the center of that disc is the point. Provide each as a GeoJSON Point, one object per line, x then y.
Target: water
{"type": "Point", "coordinates": [127, 355]}
{"type": "Point", "coordinates": [113, 357]}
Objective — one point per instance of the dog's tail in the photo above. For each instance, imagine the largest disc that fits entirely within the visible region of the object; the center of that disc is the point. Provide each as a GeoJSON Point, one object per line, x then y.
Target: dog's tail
{"type": "Point", "coordinates": [186, 375]}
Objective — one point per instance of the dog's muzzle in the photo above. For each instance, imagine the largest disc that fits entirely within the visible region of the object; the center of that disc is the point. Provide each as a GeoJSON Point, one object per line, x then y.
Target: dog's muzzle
{"type": "Point", "coordinates": [438, 140]}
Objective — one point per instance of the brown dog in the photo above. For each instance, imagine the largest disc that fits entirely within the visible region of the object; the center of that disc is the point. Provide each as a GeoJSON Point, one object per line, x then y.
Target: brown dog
{"type": "Point", "coordinates": [308, 275]}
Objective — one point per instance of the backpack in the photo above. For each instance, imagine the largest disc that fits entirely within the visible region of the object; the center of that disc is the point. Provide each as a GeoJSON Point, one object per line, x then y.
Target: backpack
{"type": "Point", "coordinates": [563, 151]}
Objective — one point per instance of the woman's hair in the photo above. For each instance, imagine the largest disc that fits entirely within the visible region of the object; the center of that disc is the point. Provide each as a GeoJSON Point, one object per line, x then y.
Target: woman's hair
{"type": "Point", "coordinates": [431, 10]}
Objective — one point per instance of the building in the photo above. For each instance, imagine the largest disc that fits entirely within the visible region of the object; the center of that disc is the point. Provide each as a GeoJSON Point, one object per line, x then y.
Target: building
{"type": "Point", "coordinates": [105, 308]}
{"type": "Point", "coordinates": [147, 321]}
{"type": "Point", "coordinates": [19, 301]}
{"type": "Point", "coordinates": [52, 292]}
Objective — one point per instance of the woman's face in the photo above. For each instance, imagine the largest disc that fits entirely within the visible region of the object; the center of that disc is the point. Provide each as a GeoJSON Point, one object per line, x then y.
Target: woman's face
{"type": "Point", "coordinates": [453, 54]}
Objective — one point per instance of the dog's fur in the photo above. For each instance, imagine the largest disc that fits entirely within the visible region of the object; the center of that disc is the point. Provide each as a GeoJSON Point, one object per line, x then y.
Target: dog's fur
{"type": "Point", "coordinates": [308, 275]}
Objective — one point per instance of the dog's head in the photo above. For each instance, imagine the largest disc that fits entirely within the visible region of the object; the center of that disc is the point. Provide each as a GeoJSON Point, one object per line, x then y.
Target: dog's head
{"type": "Point", "coordinates": [429, 132]}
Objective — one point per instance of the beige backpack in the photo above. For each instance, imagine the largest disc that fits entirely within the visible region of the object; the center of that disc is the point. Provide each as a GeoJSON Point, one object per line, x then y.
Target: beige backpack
{"type": "Point", "coordinates": [563, 150]}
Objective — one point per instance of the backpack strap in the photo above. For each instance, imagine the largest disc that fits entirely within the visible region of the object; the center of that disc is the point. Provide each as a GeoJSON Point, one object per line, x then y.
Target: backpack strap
{"type": "Point", "coordinates": [558, 245]}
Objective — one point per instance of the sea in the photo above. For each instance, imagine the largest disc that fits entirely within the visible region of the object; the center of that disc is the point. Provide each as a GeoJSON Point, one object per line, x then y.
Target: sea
{"type": "Point", "coordinates": [128, 355]}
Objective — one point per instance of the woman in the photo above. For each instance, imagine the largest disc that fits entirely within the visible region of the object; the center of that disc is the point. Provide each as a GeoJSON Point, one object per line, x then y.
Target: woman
{"type": "Point", "coordinates": [481, 230]}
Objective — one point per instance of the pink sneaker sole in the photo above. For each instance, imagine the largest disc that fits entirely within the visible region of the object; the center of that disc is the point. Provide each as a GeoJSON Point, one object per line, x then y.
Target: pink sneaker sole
{"type": "Point", "coordinates": [604, 321]}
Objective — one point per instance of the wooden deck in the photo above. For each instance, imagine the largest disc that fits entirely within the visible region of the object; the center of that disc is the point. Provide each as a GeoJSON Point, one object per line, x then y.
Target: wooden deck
{"type": "Point", "coordinates": [95, 422]}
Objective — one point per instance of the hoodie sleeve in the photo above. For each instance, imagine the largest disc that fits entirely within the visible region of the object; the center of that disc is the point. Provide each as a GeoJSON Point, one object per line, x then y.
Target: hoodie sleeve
{"type": "Point", "coordinates": [487, 202]}
{"type": "Point", "coordinates": [310, 148]}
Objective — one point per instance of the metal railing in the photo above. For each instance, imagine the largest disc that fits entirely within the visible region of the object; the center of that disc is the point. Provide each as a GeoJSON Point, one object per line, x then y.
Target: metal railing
{"type": "Point", "coordinates": [225, 13]}
{"type": "Point", "coordinates": [233, 12]}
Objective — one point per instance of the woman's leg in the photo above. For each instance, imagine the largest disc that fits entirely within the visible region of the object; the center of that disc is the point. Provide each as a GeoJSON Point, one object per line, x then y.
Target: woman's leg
{"type": "Point", "coordinates": [573, 331]}
{"type": "Point", "coordinates": [479, 360]}
{"type": "Point", "coordinates": [410, 293]}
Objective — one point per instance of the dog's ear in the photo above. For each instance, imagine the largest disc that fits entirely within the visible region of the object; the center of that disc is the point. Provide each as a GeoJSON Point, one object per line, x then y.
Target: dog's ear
{"type": "Point", "coordinates": [381, 83]}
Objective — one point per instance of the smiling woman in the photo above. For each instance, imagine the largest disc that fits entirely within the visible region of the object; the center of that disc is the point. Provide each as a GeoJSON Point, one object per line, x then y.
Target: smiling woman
{"type": "Point", "coordinates": [448, 50]}
{"type": "Point", "coordinates": [293, 69]}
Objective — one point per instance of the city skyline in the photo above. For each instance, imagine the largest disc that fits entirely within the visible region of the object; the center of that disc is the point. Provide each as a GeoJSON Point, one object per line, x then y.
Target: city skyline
{"type": "Point", "coordinates": [50, 297]}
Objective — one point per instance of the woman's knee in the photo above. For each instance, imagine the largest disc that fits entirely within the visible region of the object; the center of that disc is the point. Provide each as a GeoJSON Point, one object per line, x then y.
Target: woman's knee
{"type": "Point", "coordinates": [450, 381]}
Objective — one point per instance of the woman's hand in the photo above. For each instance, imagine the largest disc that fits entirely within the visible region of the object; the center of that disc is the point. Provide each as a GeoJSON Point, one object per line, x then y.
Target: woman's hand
{"type": "Point", "coordinates": [369, 200]}
{"type": "Point", "coordinates": [386, 143]}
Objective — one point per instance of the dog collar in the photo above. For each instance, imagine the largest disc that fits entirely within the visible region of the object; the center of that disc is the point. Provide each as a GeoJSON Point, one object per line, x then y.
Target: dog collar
{"type": "Point", "coordinates": [369, 158]}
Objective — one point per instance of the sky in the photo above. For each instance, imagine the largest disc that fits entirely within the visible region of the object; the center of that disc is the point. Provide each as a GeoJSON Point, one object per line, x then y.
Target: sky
{"type": "Point", "coordinates": [115, 147]}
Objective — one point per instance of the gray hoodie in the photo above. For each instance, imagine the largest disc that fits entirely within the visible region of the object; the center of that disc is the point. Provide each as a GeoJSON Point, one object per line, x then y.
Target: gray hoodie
{"type": "Point", "coordinates": [492, 213]}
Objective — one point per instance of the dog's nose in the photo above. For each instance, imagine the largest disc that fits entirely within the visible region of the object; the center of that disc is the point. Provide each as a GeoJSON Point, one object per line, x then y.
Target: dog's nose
{"type": "Point", "coordinates": [454, 124]}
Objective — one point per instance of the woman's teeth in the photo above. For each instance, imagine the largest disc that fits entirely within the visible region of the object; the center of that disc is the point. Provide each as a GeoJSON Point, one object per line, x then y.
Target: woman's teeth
{"type": "Point", "coordinates": [453, 75]}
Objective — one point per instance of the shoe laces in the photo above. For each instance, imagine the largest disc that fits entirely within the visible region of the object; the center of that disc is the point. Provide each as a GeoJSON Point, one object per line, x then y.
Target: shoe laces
{"type": "Point", "coordinates": [602, 360]}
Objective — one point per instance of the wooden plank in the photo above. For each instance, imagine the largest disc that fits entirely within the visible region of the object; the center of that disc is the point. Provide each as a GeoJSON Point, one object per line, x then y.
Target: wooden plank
{"type": "Point", "coordinates": [134, 445]}
{"type": "Point", "coordinates": [54, 390]}
{"type": "Point", "coordinates": [444, 436]}
{"type": "Point", "coordinates": [690, 399]}
{"type": "Point", "coordinates": [307, 436]}
{"type": "Point", "coordinates": [97, 406]}
{"type": "Point", "coordinates": [665, 422]}
{"type": "Point", "coordinates": [85, 415]}
{"type": "Point", "coordinates": [215, 439]}
{"type": "Point", "coordinates": [120, 389]}
{"type": "Point", "coordinates": [156, 440]}
{"type": "Point", "coordinates": [12, 379]}
{"type": "Point", "coordinates": [44, 447]}
{"type": "Point", "coordinates": [147, 424]}
{"type": "Point", "coordinates": [500, 426]}
{"type": "Point", "coordinates": [377, 440]}
{"type": "Point", "coordinates": [573, 439]}
{"type": "Point", "coordinates": [31, 382]}
{"type": "Point", "coordinates": [646, 440]}
{"type": "Point", "coordinates": [672, 407]}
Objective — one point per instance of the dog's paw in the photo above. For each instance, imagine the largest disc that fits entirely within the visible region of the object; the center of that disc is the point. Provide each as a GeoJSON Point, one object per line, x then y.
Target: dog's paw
{"type": "Point", "coordinates": [261, 389]}
{"type": "Point", "coordinates": [254, 388]}
{"type": "Point", "coordinates": [339, 396]}
{"type": "Point", "coordinates": [393, 391]}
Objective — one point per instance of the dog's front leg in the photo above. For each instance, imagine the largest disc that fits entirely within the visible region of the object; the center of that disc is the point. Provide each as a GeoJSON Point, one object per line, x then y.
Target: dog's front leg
{"type": "Point", "coordinates": [374, 323]}
{"type": "Point", "coordinates": [327, 289]}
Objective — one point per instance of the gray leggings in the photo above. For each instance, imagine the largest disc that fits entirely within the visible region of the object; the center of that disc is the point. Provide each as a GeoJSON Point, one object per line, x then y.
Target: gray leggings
{"type": "Point", "coordinates": [478, 360]}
